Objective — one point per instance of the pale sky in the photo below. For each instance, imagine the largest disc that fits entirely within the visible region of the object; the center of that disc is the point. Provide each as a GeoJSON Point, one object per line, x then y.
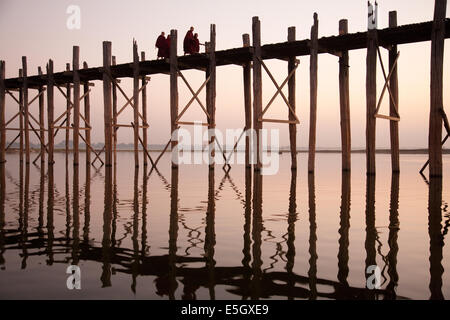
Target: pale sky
{"type": "Point", "coordinates": [38, 30]}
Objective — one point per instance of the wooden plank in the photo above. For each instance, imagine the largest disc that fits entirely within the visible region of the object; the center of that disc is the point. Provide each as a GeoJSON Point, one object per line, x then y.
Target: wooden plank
{"type": "Point", "coordinates": [144, 111]}
{"type": "Point", "coordinates": [107, 101]}
{"type": "Point", "coordinates": [394, 101]}
{"type": "Point", "coordinates": [278, 121]}
{"type": "Point", "coordinates": [257, 89]}
{"type": "Point", "coordinates": [392, 118]}
{"type": "Point", "coordinates": [2, 112]}
{"type": "Point", "coordinates": [436, 97]}
{"type": "Point", "coordinates": [211, 92]}
{"type": "Point", "coordinates": [87, 117]}
{"type": "Point", "coordinates": [50, 111]}
{"type": "Point", "coordinates": [173, 94]}
{"type": "Point", "coordinates": [193, 123]}
{"type": "Point", "coordinates": [371, 100]}
{"type": "Point", "coordinates": [136, 103]}
{"type": "Point", "coordinates": [292, 66]}
{"type": "Point", "coordinates": [41, 119]}
{"type": "Point", "coordinates": [76, 105]}
{"type": "Point", "coordinates": [344, 99]}
{"type": "Point", "coordinates": [68, 109]}
{"type": "Point", "coordinates": [246, 70]}
{"type": "Point", "coordinates": [313, 94]}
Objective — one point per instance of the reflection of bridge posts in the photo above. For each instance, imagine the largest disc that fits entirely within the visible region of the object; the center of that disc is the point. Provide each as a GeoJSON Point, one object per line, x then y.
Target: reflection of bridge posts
{"type": "Point", "coordinates": [24, 187]}
{"type": "Point", "coordinates": [50, 226]}
{"type": "Point", "coordinates": [68, 217]}
{"type": "Point", "coordinates": [106, 241]}
{"type": "Point", "coordinates": [145, 178]}
{"type": "Point", "coordinates": [135, 236]}
{"type": "Point", "coordinates": [40, 229]}
{"type": "Point", "coordinates": [114, 208]}
{"type": "Point", "coordinates": [210, 234]}
{"type": "Point", "coordinates": [436, 238]}
{"type": "Point", "coordinates": [394, 227]}
{"type": "Point", "coordinates": [292, 218]}
{"type": "Point", "coordinates": [343, 235]}
{"type": "Point", "coordinates": [87, 205]}
{"type": "Point", "coordinates": [2, 213]}
{"type": "Point", "coordinates": [371, 231]}
{"type": "Point", "coordinates": [247, 225]}
{"type": "Point", "coordinates": [173, 233]}
{"type": "Point", "coordinates": [312, 272]}
{"type": "Point", "coordinates": [256, 236]}
{"type": "Point", "coordinates": [76, 216]}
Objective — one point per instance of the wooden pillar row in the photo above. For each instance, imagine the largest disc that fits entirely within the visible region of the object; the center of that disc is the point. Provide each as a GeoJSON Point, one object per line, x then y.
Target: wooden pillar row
{"type": "Point", "coordinates": [41, 119]}
{"type": "Point", "coordinates": [173, 94]}
{"type": "Point", "coordinates": [2, 113]}
{"type": "Point", "coordinates": [436, 94]}
{"type": "Point", "coordinates": [144, 113]}
{"type": "Point", "coordinates": [211, 91]}
{"type": "Point", "coordinates": [136, 103]}
{"type": "Point", "coordinates": [107, 102]}
{"type": "Point", "coordinates": [247, 100]}
{"type": "Point", "coordinates": [344, 95]}
{"type": "Point", "coordinates": [291, 97]}
{"type": "Point", "coordinates": [87, 117]}
{"type": "Point", "coordinates": [76, 104]}
{"type": "Point", "coordinates": [314, 50]}
{"type": "Point", "coordinates": [393, 83]}
{"type": "Point", "coordinates": [257, 89]}
{"type": "Point", "coordinates": [25, 110]}
{"type": "Point", "coordinates": [50, 111]}
{"type": "Point", "coordinates": [371, 100]}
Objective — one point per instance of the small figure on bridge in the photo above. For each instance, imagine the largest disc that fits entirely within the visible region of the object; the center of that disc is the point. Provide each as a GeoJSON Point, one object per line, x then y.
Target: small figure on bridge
{"type": "Point", "coordinates": [188, 41]}
{"type": "Point", "coordinates": [166, 53]}
{"type": "Point", "coordinates": [161, 44]}
{"type": "Point", "coordinates": [195, 44]}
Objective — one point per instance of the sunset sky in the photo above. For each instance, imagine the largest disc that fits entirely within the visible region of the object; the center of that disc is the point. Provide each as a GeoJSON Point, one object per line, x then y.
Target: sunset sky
{"type": "Point", "coordinates": [38, 30]}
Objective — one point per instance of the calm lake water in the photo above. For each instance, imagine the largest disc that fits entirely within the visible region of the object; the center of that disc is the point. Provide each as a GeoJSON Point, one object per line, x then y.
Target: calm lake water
{"type": "Point", "coordinates": [193, 233]}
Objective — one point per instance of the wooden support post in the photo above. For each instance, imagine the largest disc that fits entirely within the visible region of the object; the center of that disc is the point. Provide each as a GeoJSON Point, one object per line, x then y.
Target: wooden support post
{"type": "Point", "coordinates": [257, 90]}
{"type": "Point", "coordinates": [41, 119]}
{"type": "Point", "coordinates": [344, 95]}
{"type": "Point", "coordinates": [313, 93]}
{"type": "Point", "coordinates": [107, 101]}
{"type": "Point", "coordinates": [114, 115]}
{"type": "Point", "coordinates": [50, 111]}
{"type": "Point", "coordinates": [2, 113]}
{"type": "Point", "coordinates": [68, 107]}
{"type": "Point", "coordinates": [136, 103]}
{"type": "Point", "coordinates": [173, 94]}
{"type": "Point", "coordinates": [371, 99]}
{"type": "Point", "coordinates": [247, 100]}
{"type": "Point", "coordinates": [87, 117]}
{"type": "Point", "coordinates": [291, 90]}
{"type": "Point", "coordinates": [436, 97]}
{"type": "Point", "coordinates": [76, 104]}
{"type": "Point", "coordinates": [21, 120]}
{"type": "Point", "coordinates": [144, 112]}
{"type": "Point", "coordinates": [25, 110]}
{"type": "Point", "coordinates": [211, 92]}
{"type": "Point", "coordinates": [394, 105]}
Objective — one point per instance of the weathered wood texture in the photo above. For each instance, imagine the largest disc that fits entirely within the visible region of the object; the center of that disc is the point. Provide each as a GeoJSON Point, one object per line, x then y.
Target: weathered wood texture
{"type": "Point", "coordinates": [291, 97]}
{"type": "Point", "coordinates": [136, 103]}
{"type": "Point", "coordinates": [344, 95]}
{"type": "Point", "coordinates": [246, 70]}
{"type": "Point", "coordinates": [87, 117]}
{"type": "Point", "coordinates": [50, 111]}
{"type": "Point", "coordinates": [371, 100]}
{"type": "Point", "coordinates": [76, 104]}
{"type": "Point", "coordinates": [211, 92]}
{"type": "Point", "coordinates": [107, 102]}
{"type": "Point", "coordinates": [41, 119]}
{"type": "Point", "coordinates": [25, 110]}
{"type": "Point", "coordinates": [173, 94]}
{"type": "Point", "coordinates": [68, 111]}
{"type": "Point", "coordinates": [144, 112]}
{"type": "Point", "coordinates": [2, 112]}
{"type": "Point", "coordinates": [394, 105]}
{"type": "Point", "coordinates": [257, 89]}
{"type": "Point", "coordinates": [313, 94]}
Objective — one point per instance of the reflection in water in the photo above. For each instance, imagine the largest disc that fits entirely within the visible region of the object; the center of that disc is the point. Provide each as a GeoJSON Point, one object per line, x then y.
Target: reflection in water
{"type": "Point", "coordinates": [252, 276]}
{"type": "Point", "coordinates": [436, 238]}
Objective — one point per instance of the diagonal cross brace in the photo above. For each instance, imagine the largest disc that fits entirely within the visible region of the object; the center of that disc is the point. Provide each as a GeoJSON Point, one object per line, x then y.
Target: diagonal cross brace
{"type": "Point", "coordinates": [386, 84]}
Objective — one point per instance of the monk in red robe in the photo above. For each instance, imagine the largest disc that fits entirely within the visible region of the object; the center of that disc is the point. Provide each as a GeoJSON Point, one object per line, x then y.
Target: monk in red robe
{"type": "Point", "coordinates": [188, 41]}
{"type": "Point", "coordinates": [161, 44]}
{"type": "Point", "coordinates": [195, 44]}
{"type": "Point", "coordinates": [166, 53]}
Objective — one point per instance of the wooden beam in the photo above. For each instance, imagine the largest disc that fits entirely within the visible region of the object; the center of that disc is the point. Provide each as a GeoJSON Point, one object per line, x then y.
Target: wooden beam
{"type": "Point", "coordinates": [41, 119]}
{"type": "Point", "coordinates": [2, 112]}
{"type": "Point", "coordinates": [257, 89]}
{"type": "Point", "coordinates": [50, 111]}
{"type": "Point", "coordinates": [107, 102]}
{"type": "Point", "coordinates": [313, 94]}
{"type": "Point", "coordinates": [144, 111]}
{"type": "Point", "coordinates": [394, 101]}
{"type": "Point", "coordinates": [436, 97]}
{"type": "Point", "coordinates": [392, 118]}
{"type": "Point", "coordinates": [76, 104]}
{"type": "Point", "coordinates": [344, 98]}
{"type": "Point", "coordinates": [173, 94]}
{"type": "Point", "coordinates": [371, 100]}
{"type": "Point", "coordinates": [87, 116]}
{"type": "Point", "coordinates": [292, 66]}
{"type": "Point", "coordinates": [246, 70]}
{"type": "Point", "coordinates": [279, 121]}
{"type": "Point", "coordinates": [136, 103]}
{"type": "Point", "coordinates": [211, 92]}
